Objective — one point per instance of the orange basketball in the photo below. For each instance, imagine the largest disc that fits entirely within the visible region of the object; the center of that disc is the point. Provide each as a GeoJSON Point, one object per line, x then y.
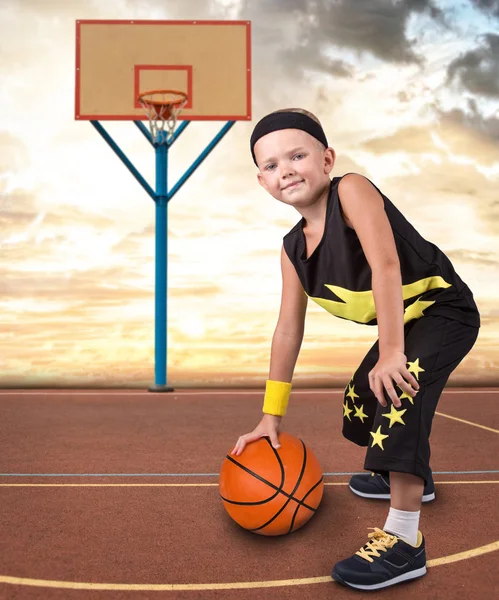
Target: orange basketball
{"type": "Point", "coordinates": [269, 491]}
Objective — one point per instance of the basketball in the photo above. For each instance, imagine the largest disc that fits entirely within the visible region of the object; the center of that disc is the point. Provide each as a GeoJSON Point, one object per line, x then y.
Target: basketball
{"type": "Point", "coordinates": [272, 492]}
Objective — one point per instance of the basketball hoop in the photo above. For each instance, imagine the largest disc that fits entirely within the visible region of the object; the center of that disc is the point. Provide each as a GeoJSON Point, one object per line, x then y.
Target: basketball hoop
{"type": "Point", "coordinates": [162, 108]}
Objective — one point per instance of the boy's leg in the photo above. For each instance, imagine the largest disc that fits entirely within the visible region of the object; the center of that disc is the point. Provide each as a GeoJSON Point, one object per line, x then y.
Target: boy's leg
{"type": "Point", "coordinates": [359, 409]}
{"type": "Point", "coordinates": [406, 491]}
{"type": "Point", "coordinates": [399, 447]}
{"type": "Point", "coordinates": [434, 347]}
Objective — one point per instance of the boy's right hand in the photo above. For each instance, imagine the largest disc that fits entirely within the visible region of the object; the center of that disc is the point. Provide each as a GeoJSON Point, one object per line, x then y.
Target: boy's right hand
{"type": "Point", "coordinates": [268, 426]}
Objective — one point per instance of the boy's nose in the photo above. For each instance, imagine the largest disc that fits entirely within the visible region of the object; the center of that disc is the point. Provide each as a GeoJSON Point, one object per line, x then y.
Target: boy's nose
{"type": "Point", "coordinates": [287, 172]}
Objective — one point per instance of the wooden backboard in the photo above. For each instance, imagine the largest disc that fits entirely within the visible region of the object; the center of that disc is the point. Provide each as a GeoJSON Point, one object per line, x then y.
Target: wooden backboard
{"type": "Point", "coordinates": [208, 60]}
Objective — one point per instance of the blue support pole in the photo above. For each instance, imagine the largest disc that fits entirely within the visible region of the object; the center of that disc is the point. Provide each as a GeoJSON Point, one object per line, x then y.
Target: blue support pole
{"type": "Point", "coordinates": [200, 158]}
{"type": "Point", "coordinates": [161, 198]}
{"type": "Point", "coordinates": [124, 159]}
{"type": "Point", "coordinates": [161, 306]}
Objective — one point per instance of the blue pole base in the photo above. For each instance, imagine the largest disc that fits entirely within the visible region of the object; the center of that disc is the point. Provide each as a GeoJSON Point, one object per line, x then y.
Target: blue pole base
{"type": "Point", "coordinates": [157, 387]}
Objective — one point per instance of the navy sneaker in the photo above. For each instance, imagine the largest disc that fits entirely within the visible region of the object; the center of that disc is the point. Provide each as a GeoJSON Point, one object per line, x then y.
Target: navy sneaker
{"type": "Point", "coordinates": [375, 485]}
{"type": "Point", "coordinates": [384, 561]}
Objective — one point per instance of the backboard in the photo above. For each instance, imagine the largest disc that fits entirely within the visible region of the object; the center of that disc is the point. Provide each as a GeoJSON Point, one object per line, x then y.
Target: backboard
{"type": "Point", "coordinates": [208, 60]}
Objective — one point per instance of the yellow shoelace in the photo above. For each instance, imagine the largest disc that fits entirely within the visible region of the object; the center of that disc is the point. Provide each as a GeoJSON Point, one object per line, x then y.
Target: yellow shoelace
{"type": "Point", "coordinates": [380, 541]}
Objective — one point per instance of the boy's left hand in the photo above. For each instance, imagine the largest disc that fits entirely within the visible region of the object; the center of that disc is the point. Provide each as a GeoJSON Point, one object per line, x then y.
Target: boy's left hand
{"type": "Point", "coordinates": [389, 370]}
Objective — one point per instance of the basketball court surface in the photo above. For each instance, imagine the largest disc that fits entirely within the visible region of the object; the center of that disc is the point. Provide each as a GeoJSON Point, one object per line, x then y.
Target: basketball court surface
{"type": "Point", "coordinates": [114, 494]}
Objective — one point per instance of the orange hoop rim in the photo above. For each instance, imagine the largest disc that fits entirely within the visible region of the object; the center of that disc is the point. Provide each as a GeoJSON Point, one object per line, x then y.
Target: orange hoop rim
{"type": "Point", "coordinates": [158, 103]}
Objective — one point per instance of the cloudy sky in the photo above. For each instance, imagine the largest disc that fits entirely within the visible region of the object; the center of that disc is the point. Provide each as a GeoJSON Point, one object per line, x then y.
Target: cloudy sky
{"type": "Point", "coordinates": [407, 91]}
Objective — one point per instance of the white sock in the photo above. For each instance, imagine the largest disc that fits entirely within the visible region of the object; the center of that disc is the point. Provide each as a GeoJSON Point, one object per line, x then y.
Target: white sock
{"type": "Point", "coordinates": [403, 524]}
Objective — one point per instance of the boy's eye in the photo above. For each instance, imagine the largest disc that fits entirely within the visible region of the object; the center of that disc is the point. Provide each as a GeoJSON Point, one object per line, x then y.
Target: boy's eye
{"type": "Point", "coordinates": [298, 156]}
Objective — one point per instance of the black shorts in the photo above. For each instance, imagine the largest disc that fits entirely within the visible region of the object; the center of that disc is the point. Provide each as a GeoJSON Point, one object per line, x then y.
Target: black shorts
{"type": "Point", "coordinates": [398, 439]}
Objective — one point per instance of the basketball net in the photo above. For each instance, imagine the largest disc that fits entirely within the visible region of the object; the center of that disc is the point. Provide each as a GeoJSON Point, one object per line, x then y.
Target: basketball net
{"type": "Point", "coordinates": [162, 108]}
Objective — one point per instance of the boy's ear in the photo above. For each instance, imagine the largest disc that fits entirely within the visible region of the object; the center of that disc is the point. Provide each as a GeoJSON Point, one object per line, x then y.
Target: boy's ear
{"type": "Point", "coordinates": [329, 159]}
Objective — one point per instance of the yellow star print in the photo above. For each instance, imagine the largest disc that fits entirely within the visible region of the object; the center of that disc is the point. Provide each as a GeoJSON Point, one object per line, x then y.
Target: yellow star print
{"type": "Point", "coordinates": [351, 392]}
{"type": "Point", "coordinates": [359, 412]}
{"type": "Point", "coordinates": [415, 368]}
{"type": "Point", "coordinates": [347, 411]}
{"type": "Point", "coordinates": [395, 415]}
{"type": "Point", "coordinates": [348, 386]}
{"type": "Point", "coordinates": [415, 310]}
{"type": "Point", "coordinates": [406, 395]}
{"type": "Point", "coordinates": [378, 438]}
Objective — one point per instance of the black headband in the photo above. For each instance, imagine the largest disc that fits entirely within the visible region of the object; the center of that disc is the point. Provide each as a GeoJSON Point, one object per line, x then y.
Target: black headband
{"type": "Point", "coordinates": [286, 120]}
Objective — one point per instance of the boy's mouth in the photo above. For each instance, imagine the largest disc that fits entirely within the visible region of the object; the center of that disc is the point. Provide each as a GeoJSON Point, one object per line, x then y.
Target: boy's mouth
{"type": "Point", "coordinates": [292, 185]}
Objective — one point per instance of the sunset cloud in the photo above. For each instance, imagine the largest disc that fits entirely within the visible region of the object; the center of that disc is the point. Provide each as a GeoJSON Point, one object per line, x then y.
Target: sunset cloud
{"type": "Point", "coordinates": [407, 93]}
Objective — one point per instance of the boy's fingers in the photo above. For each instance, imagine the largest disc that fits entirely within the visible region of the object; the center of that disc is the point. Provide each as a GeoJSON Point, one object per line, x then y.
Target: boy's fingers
{"type": "Point", "coordinates": [252, 437]}
{"type": "Point", "coordinates": [377, 389]}
{"type": "Point", "coordinates": [405, 387]}
{"type": "Point", "coordinates": [412, 380]}
{"type": "Point", "coordinates": [390, 390]}
{"type": "Point", "coordinates": [379, 393]}
{"type": "Point", "coordinates": [243, 441]}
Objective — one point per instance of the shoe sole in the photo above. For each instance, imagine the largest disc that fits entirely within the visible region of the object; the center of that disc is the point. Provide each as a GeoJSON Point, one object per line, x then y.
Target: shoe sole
{"type": "Point", "coordinates": [426, 497]}
{"type": "Point", "coordinates": [378, 586]}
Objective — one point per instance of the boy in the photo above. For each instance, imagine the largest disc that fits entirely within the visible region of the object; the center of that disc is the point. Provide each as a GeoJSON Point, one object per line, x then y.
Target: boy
{"type": "Point", "coordinates": [356, 255]}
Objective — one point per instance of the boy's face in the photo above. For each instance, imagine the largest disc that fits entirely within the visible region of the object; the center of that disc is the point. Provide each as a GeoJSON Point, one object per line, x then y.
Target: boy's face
{"type": "Point", "coordinates": [294, 166]}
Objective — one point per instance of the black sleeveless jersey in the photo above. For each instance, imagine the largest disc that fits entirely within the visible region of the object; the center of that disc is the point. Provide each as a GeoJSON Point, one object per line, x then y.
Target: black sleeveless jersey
{"type": "Point", "coordinates": [338, 277]}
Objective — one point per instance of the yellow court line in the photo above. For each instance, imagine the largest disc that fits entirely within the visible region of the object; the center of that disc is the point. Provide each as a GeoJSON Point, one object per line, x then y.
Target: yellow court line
{"type": "Point", "coordinates": [458, 482]}
{"type": "Point", "coordinates": [127, 392]}
{"type": "Point", "coordinates": [109, 484]}
{"type": "Point", "coordinates": [77, 585]}
{"type": "Point", "coordinates": [188, 484]}
{"type": "Point", "coordinates": [445, 560]}
{"type": "Point", "coordinates": [467, 422]}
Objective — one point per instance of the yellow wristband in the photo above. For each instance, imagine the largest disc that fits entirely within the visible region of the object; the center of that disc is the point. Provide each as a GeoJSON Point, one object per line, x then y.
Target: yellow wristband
{"type": "Point", "coordinates": [276, 397]}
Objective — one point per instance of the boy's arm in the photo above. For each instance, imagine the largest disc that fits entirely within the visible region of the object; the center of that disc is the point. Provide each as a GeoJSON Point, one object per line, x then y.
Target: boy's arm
{"type": "Point", "coordinates": [288, 335]}
{"type": "Point", "coordinates": [286, 344]}
{"type": "Point", "coordinates": [363, 206]}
